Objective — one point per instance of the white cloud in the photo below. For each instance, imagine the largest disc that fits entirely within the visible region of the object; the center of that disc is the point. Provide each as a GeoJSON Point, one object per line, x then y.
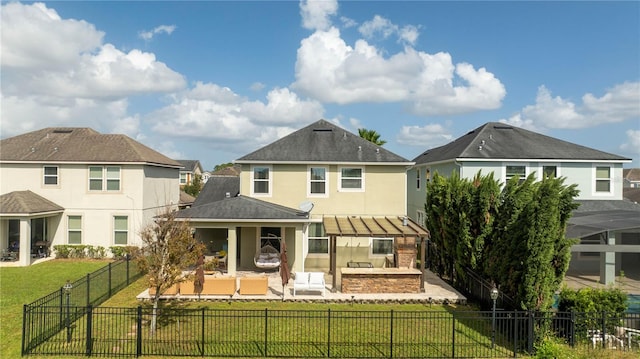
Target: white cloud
{"type": "Point", "coordinates": [257, 86]}
{"type": "Point", "coordinates": [347, 22]}
{"type": "Point", "coordinates": [632, 145]}
{"type": "Point", "coordinates": [329, 70]}
{"type": "Point", "coordinates": [217, 113]}
{"type": "Point", "coordinates": [379, 25]}
{"type": "Point", "coordinates": [74, 80]}
{"type": "Point", "coordinates": [316, 13]}
{"type": "Point", "coordinates": [148, 35]}
{"type": "Point", "coordinates": [618, 104]}
{"type": "Point", "coordinates": [428, 136]}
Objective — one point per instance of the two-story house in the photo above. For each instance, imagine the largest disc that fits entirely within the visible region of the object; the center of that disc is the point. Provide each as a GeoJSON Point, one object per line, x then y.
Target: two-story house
{"type": "Point", "coordinates": [331, 195]}
{"type": "Point", "coordinates": [604, 221]}
{"type": "Point", "coordinates": [190, 168]}
{"type": "Point", "coordinates": [78, 186]}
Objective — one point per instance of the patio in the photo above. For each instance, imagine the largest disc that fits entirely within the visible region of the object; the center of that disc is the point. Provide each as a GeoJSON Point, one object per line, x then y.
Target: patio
{"type": "Point", "coordinates": [436, 291]}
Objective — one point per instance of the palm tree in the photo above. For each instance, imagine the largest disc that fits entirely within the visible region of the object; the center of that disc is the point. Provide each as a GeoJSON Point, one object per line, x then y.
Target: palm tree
{"type": "Point", "coordinates": [371, 136]}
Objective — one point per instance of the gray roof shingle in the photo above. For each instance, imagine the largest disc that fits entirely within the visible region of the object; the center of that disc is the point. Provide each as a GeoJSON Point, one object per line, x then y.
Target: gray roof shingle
{"type": "Point", "coordinates": [26, 202]}
{"type": "Point", "coordinates": [73, 144]}
{"type": "Point", "coordinates": [216, 189]}
{"type": "Point", "coordinates": [190, 165]}
{"type": "Point", "coordinates": [495, 140]}
{"type": "Point", "coordinates": [241, 208]}
{"type": "Point", "coordinates": [323, 142]}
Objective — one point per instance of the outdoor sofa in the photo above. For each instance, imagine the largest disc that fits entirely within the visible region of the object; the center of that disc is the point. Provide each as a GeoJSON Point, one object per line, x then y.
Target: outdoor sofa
{"type": "Point", "coordinates": [213, 285]}
{"type": "Point", "coordinates": [309, 281]}
{"type": "Point", "coordinates": [254, 285]}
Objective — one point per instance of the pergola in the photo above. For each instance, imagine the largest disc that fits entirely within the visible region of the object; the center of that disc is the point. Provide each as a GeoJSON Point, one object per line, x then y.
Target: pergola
{"type": "Point", "coordinates": [372, 226]}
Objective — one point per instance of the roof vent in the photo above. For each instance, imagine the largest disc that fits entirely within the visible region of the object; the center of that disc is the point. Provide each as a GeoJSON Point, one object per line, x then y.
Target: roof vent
{"type": "Point", "coordinates": [55, 149]}
{"type": "Point", "coordinates": [482, 142]}
{"type": "Point", "coordinates": [359, 148]}
{"type": "Point", "coordinates": [377, 150]}
{"type": "Point", "coordinates": [227, 195]}
{"type": "Point", "coordinates": [480, 148]}
{"type": "Point", "coordinates": [322, 130]}
{"type": "Point", "coordinates": [503, 127]}
{"type": "Point", "coordinates": [33, 149]}
{"type": "Point", "coordinates": [62, 131]}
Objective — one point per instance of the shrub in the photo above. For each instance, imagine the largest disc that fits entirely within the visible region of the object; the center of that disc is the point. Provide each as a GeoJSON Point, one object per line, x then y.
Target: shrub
{"type": "Point", "coordinates": [97, 252]}
{"type": "Point", "coordinates": [121, 252]}
{"type": "Point", "coordinates": [62, 250]}
{"type": "Point", "coordinates": [552, 348]}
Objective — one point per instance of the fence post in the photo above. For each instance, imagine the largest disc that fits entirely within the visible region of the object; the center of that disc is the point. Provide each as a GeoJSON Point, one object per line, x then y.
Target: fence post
{"type": "Point", "coordinates": [266, 331]}
{"type": "Point", "coordinates": [109, 275]}
{"type": "Point", "coordinates": [88, 289]}
{"type": "Point", "coordinates": [202, 349]}
{"type": "Point", "coordinates": [604, 328]}
{"type": "Point", "coordinates": [23, 350]}
{"type": "Point", "coordinates": [89, 343]}
{"type": "Point", "coordinates": [61, 312]}
{"type": "Point", "coordinates": [516, 327]}
{"type": "Point", "coordinates": [391, 337]}
{"type": "Point", "coordinates": [127, 259]}
{"type": "Point", "coordinates": [572, 329]}
{"type": "Point", "coordinates": [329, 332]}
{"type": "Point", "coordinates": [139, 333]}
{"type": "Point", "coordinates": [453, 335]}
{"type": "Point", "coordinates": [530, 335]}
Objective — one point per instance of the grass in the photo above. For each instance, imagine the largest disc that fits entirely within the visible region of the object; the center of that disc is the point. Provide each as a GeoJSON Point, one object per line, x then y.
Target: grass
{"type": "Point", "coordinates": [23, 285]}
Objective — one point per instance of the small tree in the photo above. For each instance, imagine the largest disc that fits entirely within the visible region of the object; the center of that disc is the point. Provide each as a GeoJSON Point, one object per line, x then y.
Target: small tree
{"type": "Point", "coordinates": [168, 248]}
{"type": "Point", "coordinates": [371, 136]}
{"type": "Point", "coordinates": [195, 186]}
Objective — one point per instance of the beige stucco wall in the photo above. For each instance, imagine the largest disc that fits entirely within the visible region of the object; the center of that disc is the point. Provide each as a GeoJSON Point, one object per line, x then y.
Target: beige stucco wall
{"type": "Point", "coordinates": [384, 190]}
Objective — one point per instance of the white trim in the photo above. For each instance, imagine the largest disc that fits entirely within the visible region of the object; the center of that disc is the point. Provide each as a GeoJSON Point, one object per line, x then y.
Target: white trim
{"type": "Point", "coordinates": [269, 181]}
{"type": "Point", "coordinates": [44, 176]}
{"type": "Point", "coordinates": [559, 160]}
{"type": "Point", "coordinates": [518, 164]}
{"type": "Point", "coordinates": [594, 179]}
{"type": "Point", "coordinates": [95, 163]}
{"type": "Point", "coordinates": [81, 230]}
{"type": "Point", "coordinates": [114, 230]}
{"type": "Point", "coordinates": [104, 179]}
{"type": "Point", "coordinates": [326, 182]}
{"type": "Point", "coordinates": [321, 163]}
{"type": "Point", "coordinates": [362, 181]}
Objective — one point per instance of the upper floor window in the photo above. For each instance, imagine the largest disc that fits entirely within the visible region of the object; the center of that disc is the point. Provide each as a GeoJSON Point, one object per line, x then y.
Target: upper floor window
{"type": "Point", "coordinates": [417, 178]}
{"type": "Point", "coordinates": [603, 179]}
{"type": "Point", "coordinates": [550, 171]}
{"type": "Point", "coordinates": [381, 246]}
{"type": "Point", "coordinates": [318, 240]}
{"type": "Point", "coordinates": [74, 228]}
{"type": "Point", "coordinates": [261, 180]}
{"type": "Point", "coordinates": [516, 171]}
{"type": "Point", "coordinates": [105, 178]}
{"type": "Point", "coordinates": [50, 175]}
{"type": "Point", "coordinates": [351, 179]}
{"type": "Point", "coordinates": [183, 178]}
{"type": "Point", "coordinates": [421, 217]}
{"type": "Point", "coordinates": [120, 230]}
{"type": "Point", "coordinates": [317, 181]}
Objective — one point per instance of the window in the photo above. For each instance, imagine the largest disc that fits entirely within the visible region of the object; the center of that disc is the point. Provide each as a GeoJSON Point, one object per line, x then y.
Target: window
{"type": "Point", "coordinates": [317, 181]}
{"type": "Point", "coordinates": [421, 218]}
{"type": "Point", "coordinates": [74, 226]}
{"type": "Point", "coordinates": [120, 230]}
{"type": "Point", "coordinates": [381, 246]}
{"type": "Point", "coordinates": [318, 240]}
{"type": "Point", "coordinates": [351, 179]}
{"type": "Point", "coordinates": [549, 171]}
{"type": "Point", "coordinates": [183, 178]}
{"type": "Point", "coordinates": [50, 175]}
{"type": "Point", "coordinates": [516, 171]}
{"type": "Point", "coordinates": [603, 179]}
{"type": "Point", "coordinates": [261, 180]}
{"type": "Point", "coordinates": [104, 178]}
{"type": "Point", "coordinates": [417, 178]}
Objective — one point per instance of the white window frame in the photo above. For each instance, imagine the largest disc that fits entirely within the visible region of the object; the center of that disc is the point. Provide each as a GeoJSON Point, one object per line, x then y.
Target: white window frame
{"type": "Point", "coordinates": [596, 179]}
{"type": "Point", "coordinates": [340, 178]}
{"type": "Point", "coordinates": [105, 179]}
{"type": "Point", "coordinates": [310, 181]}
{"type": "Point", "coordinates": [116, 230]}
{"type": "Point", "coordinates": [45, 176]}
{"type": "Point", "coordinates": [543, 165]}
{"type": "Point", "coordinates": [75, 230]}
{"type": "Point", "coordinates": [315, 254]}
{"type": "Point", "coordinates": [418, 183]}
{"type": "Point", "coordinates": [183, 177]}
{"type": "Point", "coordinates": [421, 217]}
{"type": "Point", "coordinates": [268, 180]}
{"type": "Point", "coordinates": [517, 164]}
{"type": "Point", "coordinates": [377, 255]}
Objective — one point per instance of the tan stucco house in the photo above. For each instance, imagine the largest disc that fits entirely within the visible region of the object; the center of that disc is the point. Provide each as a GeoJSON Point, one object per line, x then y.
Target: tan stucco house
{"type": "Point", "coordinates": [78, 186]}
{"type": "Point", "coordinates": [332, 196]}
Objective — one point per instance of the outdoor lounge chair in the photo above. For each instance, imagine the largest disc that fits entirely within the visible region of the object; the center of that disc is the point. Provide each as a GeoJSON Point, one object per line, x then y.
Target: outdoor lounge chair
{"type": "Point", "coordinates": [309, 281]}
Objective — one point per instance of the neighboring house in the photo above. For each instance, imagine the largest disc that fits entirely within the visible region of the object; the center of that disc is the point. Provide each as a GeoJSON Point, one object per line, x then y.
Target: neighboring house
{"type": "Point", "coordinates": [190, 169]}
{"type": "Point", "coordinates": [631, 177]}
{"type": "Point", "coordinates": [509, 151]}
{"type": "Point", "coordinates": [331, 195]}
{"type": "Point", "coordinates": [78, 186]}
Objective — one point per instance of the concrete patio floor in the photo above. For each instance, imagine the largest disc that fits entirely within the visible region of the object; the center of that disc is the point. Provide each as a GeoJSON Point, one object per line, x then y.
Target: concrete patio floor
{"type": "Point", "coordinates": [436, 291]}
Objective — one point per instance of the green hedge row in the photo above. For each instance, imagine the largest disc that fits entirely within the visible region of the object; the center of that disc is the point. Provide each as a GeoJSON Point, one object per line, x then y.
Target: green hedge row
{"type": "Point", "coordinates": [88, 251]}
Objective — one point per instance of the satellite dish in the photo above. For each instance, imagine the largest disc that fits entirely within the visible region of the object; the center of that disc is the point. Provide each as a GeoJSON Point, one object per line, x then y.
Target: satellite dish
{"type": "Point", "coordinates": [306, 206]}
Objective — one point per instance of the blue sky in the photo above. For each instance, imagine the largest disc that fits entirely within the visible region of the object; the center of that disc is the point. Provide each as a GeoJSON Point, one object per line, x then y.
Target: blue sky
{"type": "Point", "coordinates": [215, 80]}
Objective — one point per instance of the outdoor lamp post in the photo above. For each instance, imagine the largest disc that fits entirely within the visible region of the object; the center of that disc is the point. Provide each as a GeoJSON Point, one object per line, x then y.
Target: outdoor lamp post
{"type": "Point", "coordinates": [67, 291]}
{"type": "Point", "coordinates": [494, 296]}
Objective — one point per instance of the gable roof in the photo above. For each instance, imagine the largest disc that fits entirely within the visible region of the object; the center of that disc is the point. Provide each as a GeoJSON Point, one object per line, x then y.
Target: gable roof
{"type": "Point", "coordinates": [190, 165]}
{"type": "Point", "coordinates": [323, 142]}
{"type": "Point", "coordinates": [26, 203]}
{"type": "Point", "coordinates": [241, 208]}
{"type": "Point", "coordinates": [631, 174]}
{"type": "Point", "coordinates": [75, 144]}
{"type": "Point", "coordinates": [228, 171]}
{"type": "Point", "coordinates": [216, 189]}
{"type": "Point", "coordinates": [499, 141]}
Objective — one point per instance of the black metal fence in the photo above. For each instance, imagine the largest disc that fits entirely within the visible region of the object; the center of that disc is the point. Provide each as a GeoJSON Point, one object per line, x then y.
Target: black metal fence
{"type": "Point", "coordinates": [48, 316]}
{"type": "Point", "coordinates": [103, 331]}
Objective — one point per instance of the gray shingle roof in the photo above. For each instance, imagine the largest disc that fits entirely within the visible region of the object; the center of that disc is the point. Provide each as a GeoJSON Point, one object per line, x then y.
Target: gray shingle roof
{"type": "Point", "coordinates": [241, 208]}
{"type": "Point", "coordinates": [495, 140]}
{"type": "Point", "coordinates": [73, 144]}
{"type": "Point", "coordinates": [216, 189]}
{"type": "Point", "coordinates": [26, 202]}
{"type": "Point", "coordinates": [323, 142]}
{"type": "Point", "coordinates": [190, 165]}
